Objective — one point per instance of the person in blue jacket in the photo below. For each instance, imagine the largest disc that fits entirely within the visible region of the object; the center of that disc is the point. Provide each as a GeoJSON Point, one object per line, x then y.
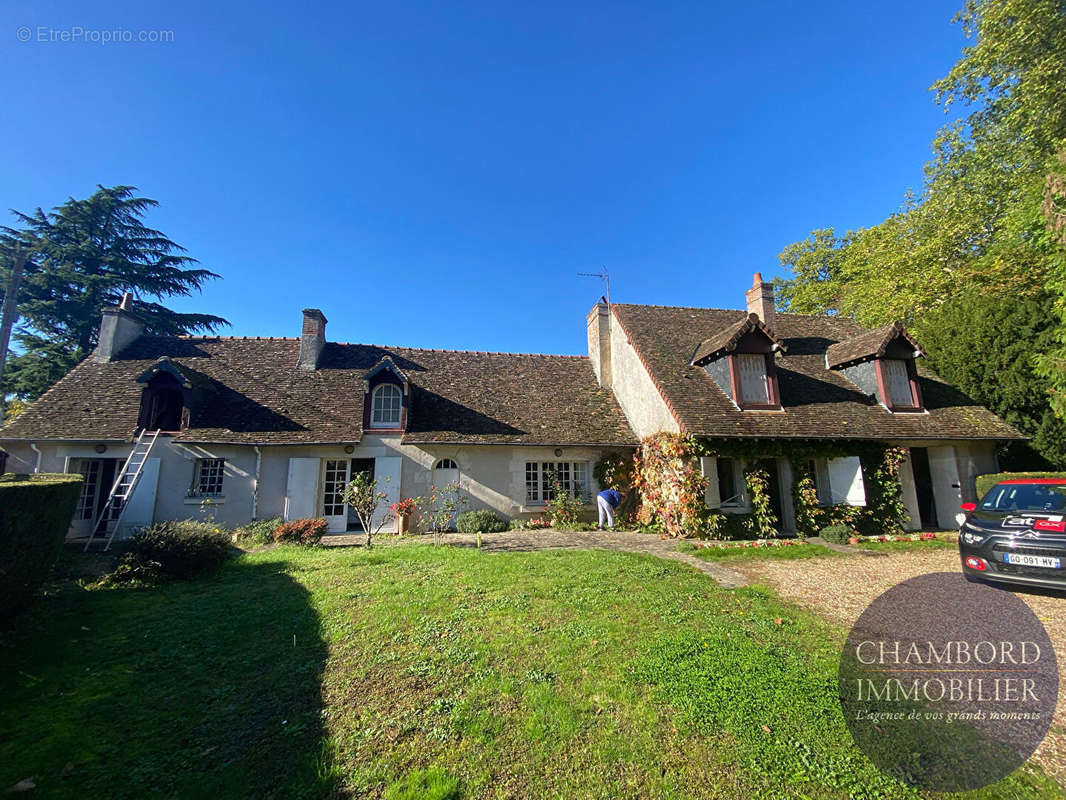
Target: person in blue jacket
{"type": "Point", "coordinates": [607, 501]}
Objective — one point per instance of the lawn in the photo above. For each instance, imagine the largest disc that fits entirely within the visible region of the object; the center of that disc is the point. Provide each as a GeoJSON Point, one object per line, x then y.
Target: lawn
{"type": "Point", "coordinates": [907, 545]}
{"type": "Point", "coordinates": [783, 552]}
{"type": "Point", "coordinates": [310, 672]}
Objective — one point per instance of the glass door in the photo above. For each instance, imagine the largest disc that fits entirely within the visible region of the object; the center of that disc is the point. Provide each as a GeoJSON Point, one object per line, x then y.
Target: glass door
{"type": "Point", "coordinates": [334, 478]}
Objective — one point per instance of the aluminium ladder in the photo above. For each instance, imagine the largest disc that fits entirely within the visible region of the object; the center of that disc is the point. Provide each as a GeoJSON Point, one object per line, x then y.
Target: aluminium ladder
{"type": "Point", "coordinates": [125, 482]}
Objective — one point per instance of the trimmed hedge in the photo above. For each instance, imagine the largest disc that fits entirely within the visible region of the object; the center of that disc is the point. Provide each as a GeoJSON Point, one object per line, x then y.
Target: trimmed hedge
{"type": "Point", "coordinates": [986, 482]}
{"type": "Point", "coordinates": [302, 531]}
{"type": "Point", "coordinates": [35, 514]}
{"type": "Point", "coordinates": [837, 534]}
{"type": "Point", "coordinates": [480, 520]}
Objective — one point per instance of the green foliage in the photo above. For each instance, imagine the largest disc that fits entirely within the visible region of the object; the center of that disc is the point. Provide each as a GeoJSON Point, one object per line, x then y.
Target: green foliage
{"type": "Point", "coordinates": [615, 471]}
{"type": "Point", "coordinates": [441, 507]}
{"type": "Point", "coordinates": [563, 509]}
{"type": "Point", "coordinates": [82, 256]}
{"type": "Point", "coordinates": [805, 501]}
{"type": "Point", "coordinates": [885, 512]}
{"type": "Point", "coordinates": [302, 531]}
{"type": "Point", "coordinates": [988, 480]}
{"type": "Point", "coordinates": [257, 532]}
{"type": "Point", "coordinates": [480, 519]}
{"type": "Point", "coordinates": [174, 550]}
{"type": "Point", "coordinates": [35, 513]}
{"type": "Point", "coordinates": [985, 346]}
{"type": "Point", "coordinates": [837, 533]}
{"type": "Point", "coordinates": [761, 523]}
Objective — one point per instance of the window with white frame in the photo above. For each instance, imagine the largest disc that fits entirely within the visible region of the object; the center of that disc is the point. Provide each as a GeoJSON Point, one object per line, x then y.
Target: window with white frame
{"type": "Point", "coordinates": [729, 493]}
{"type": "Point", "coordinates": [385, 405]}
{"type": "Point", "coordinates": [542, 475]}
{"type": "Point", "coordinates": [207, 477]}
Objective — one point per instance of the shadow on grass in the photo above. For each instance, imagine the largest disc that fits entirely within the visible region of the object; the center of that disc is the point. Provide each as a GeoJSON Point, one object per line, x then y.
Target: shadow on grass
{"type": "Point", "coordinates": [209, 687]}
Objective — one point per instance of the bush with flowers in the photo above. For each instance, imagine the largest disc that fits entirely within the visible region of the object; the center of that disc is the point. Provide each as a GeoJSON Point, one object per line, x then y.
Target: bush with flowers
{"type": "Point", "coordinates": [405, 507]}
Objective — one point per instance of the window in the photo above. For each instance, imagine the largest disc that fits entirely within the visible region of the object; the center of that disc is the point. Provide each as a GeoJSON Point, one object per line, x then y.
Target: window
{"type": "Point", "coordinates": [446, 463]}
{"type": "Point", "coordinates": [897, 383]}
{"type": "Point", "coordinates": [727, 483]}
{"type": "Point", "coordinates": [334, 479]}
{"type": "Point", "coordinates": [90, 469]}
{"type": "Point", "coordinates": [385, 405]}
{"type": "Point", "coordinates": [207, 481]}
{"type": "Point", "coordinates": [541, 477]}
{"type": "Point", "coordinates": [754, 388]}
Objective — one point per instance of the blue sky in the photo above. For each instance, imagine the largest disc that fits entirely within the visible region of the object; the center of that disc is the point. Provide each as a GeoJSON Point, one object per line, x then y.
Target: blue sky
{"type": "Point", "coordinates": [436, 175]}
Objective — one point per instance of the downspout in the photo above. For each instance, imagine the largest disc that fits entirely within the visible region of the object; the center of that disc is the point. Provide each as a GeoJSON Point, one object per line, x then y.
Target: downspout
{"type": "Point", "coordinates": [37, 467]}
{"type": "Point", "coordinates": [255, 487]}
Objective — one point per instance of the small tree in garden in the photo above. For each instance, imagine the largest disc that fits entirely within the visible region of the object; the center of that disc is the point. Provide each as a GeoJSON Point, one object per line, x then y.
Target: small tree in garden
{"type": "Point", "coordinates": [363, 496]}
{"type": "Point", "coordinates": [442, 506]}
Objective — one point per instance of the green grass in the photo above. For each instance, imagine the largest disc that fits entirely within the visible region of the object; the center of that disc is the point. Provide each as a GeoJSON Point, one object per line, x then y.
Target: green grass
{"type": "Point", "coordinates": [411, 669]}
{"type": "Point", "coordinates": [906, 546]}
{"type": "Point", "coordinates": [787, 553]}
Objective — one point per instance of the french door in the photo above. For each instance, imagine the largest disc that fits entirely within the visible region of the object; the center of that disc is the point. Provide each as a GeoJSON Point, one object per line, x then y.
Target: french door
{"type": "Point", "coordinates": [335, 476]}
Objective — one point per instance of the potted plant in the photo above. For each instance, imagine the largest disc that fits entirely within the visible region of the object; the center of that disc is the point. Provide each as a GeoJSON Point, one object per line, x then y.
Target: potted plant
{"type": "Point", "coordinates": [403, 510]}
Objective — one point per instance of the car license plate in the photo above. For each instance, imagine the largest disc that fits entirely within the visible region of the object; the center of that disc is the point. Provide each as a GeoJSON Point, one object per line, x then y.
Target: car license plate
{"type": "Point", "coordinates": [1023, 560]}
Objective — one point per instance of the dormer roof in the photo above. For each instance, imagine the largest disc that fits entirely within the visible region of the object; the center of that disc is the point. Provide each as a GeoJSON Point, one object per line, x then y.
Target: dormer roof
{"type": "Point", "coordinates": [386, 364]}
{"type": "Point", "coordinates": [869, 345]}
{"type": "Point", "coordinates": [727, 339]}
{"type": "Point", "coordinates": [166, 367]}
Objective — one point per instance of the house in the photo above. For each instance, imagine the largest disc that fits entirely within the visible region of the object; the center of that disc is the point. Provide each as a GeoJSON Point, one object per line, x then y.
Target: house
{"type": "Point", "coordinates": [263, 427]}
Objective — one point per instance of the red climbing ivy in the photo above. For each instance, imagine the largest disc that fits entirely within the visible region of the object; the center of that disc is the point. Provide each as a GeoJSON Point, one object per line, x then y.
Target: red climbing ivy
{"type": "Point", "coordinates": [671, 487]}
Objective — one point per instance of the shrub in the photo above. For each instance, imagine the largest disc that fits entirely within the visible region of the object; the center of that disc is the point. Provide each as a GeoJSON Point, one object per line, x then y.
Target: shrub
{"type": "Point", "coordinates": [480, 519]}
{"type": "Point", "coordinates": [837, 534]}
{"type": "Point", "coordinates": [302, 531]}
{"type": "Point", "coordinates": [176, 549]}
{"type": "Point", "coordinates": [35, 513]}
{"type": "Point", "coordinates": [258, 531]}
{"type": "Point", "coordinates": [563, 509]}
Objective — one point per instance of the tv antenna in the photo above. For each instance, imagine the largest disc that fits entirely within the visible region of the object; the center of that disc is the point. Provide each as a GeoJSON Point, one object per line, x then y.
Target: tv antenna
{"type": "Point", "coordinates": [603, 276]}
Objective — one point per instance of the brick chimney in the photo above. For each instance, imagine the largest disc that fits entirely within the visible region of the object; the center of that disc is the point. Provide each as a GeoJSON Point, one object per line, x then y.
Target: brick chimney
{"type": "Point", "coordinates": [760, 299]}
{"type": "Point", "coordinates": [312, 338]}
{"type": "Point", "coordinates": [118, 328]}
{"type": "Point", "coordinates": [599, 333]}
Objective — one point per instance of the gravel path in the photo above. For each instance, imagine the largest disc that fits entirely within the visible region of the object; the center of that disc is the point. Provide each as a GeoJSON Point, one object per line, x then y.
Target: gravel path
{"type": "Point", "coordinates": [841, 588]}
{"type": "Point", "coordinates": [526, 541]}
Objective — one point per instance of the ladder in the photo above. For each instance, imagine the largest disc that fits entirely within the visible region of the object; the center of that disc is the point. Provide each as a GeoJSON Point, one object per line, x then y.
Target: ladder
{"type": "Point", "coordinates": [125, 482]}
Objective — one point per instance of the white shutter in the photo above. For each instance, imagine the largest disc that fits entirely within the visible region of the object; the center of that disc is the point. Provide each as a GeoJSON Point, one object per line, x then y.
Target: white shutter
{"type": "Point", "coordinates": [387, 473]}
{"type": "Point", "coordinates": [753, 387]}
{"type": "Point", "coordinates": [709, 469]}
{"type": "Point", "coordinates": [845, 481]}
{"type": "Point", "coordinates": [898, 382]}
{"type": "Point", "coordinates": [301, 488]}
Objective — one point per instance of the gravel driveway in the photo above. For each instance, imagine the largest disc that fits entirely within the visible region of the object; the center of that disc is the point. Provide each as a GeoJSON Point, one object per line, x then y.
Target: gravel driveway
{"type": "Point", "coordinates": [841, 588]}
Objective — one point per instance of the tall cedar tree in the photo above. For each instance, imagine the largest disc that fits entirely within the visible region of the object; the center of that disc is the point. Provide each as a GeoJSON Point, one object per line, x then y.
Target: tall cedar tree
{"type": "Point", "coordinates": [83, 255]}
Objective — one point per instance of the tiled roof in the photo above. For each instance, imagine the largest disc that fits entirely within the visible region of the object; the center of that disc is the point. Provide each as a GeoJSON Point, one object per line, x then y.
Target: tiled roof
{"type": "Point", "coordinates": [866, 345]}
{"type": "Point", "coordinates": [817, 402]}
{"type": "Point", "coordinates": [254, 393]}
{"type": "Point", "coordinates": [726, 339]}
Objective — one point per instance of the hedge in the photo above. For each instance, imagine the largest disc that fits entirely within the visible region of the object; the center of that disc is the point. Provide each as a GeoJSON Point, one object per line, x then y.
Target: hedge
{"type": "Point", "coordinates": [986, 482]}
{"type": "Point", "coordinates": [35, 514]}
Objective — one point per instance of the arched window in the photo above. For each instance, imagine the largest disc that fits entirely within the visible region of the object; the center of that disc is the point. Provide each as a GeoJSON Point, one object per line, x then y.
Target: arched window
{"type": "Point", "coordinates": [385, 405]}
{"type": "Point", "coordinates": [446, 463]}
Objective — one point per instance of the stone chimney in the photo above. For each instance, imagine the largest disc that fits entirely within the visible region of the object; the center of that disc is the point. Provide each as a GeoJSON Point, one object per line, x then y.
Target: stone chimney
{"type": "Point", "coordinates": [761, 299]}
{"type": "Point", "coordinates": [599, 331]}
{"type": "Point", "coordinates": [312, 338]}
{"type": "Point", "coordinates": [118, 327]}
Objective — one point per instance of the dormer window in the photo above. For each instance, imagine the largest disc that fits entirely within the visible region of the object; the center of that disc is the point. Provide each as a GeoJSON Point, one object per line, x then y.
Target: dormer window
{"type": "Point", "coordinates": [740, 359]}
{"type": "Point", "coordinates": [163, 405]}
{"type": "Point", "coordinates": [881, 363]}
{"type": "Point", "coordinates": [386, 405]}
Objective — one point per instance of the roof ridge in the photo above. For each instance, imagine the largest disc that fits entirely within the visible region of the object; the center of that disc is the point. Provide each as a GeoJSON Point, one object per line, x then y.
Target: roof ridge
{"type": "Point", "coordinates": [833, 317]}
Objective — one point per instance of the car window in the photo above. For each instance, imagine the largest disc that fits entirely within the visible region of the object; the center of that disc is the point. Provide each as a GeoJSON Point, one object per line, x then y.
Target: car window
{"type": "Point", "coordinates": [1025, 497]}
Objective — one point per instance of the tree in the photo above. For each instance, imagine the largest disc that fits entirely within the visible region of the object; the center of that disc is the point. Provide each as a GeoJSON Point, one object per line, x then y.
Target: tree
{"type": "Point", "coordinates": [83, 255]}
{"type": "Point", "coordinates": [361, 493]}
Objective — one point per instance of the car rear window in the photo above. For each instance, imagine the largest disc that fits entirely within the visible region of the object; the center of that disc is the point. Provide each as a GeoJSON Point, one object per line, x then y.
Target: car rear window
{"type": "Point", "coordinates": [1025, 497]}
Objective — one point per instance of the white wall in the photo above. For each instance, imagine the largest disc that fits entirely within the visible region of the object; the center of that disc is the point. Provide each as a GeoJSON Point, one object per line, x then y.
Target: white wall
{"type": "Point", "coordinates": [634, 389]}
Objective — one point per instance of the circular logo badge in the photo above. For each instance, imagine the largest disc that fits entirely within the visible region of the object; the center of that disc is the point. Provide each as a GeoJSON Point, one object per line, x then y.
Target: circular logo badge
{"type": "Point", "coordinates": [948, 685]}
